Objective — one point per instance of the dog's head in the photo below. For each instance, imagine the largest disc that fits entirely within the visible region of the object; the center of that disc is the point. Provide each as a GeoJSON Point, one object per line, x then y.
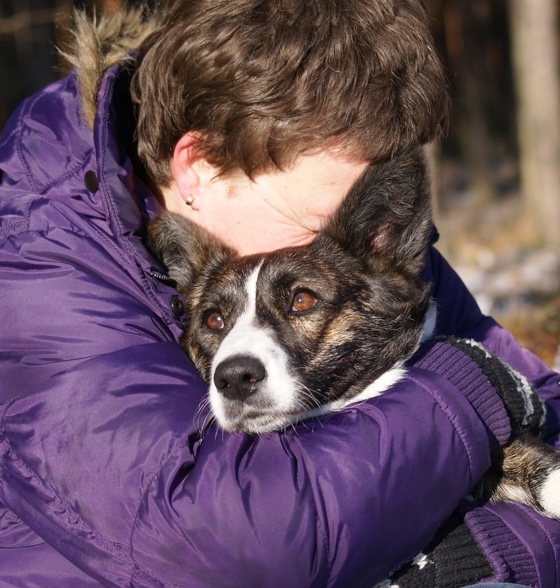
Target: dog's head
{"type": "Point", "coordinates": [281, 335]}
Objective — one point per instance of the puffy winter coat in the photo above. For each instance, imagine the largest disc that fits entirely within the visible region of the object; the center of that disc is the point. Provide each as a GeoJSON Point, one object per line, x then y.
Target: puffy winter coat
{"type": "Point", "coordinates": [104, 475]}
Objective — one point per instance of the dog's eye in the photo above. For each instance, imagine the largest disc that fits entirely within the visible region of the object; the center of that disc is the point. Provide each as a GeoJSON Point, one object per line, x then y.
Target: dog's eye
{"type": "Point", "coordinates": [303, 300]}
{"type": "Point", "coordinates": [215, 321]}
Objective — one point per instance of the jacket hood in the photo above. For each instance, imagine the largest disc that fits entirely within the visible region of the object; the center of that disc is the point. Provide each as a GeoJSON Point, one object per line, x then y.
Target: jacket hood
{"type": "Point", "coordinates": [100, 41]}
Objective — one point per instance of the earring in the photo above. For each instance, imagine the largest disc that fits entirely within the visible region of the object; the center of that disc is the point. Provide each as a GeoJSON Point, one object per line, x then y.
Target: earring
{"type": "Point", "coordinates": [189, 200]}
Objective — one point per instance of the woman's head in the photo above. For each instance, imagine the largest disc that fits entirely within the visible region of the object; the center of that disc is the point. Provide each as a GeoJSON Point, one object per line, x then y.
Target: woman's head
{"type": "Point", "coordinates": [261, 81]}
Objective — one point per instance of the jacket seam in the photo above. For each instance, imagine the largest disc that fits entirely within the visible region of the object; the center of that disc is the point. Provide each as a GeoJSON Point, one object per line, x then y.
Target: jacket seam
{"type": "Point", "coordinates": [15, 131]}
{"type": "Point", "coordinates": [115, 243]}
{"type": "Point", "coordinates": [135, 523]}
{"type": "Point", "coordinates": [444, 410]}
{"type": "Point", "coordinates": [536, 519]}
{"type": "Point", "coordinates": [318, 522]}
{"type": "Point", "coordinates": [72, 172]}
{"type": "Point", "coordinates": [13, 227]}
{"type": "Point", "coordinates": [131, 561]}
{"type": "Point", "coordinates": [19, 143]}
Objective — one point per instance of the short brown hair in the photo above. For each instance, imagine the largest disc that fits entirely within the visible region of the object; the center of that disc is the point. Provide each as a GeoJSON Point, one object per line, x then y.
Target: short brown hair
{"type": "Point", "coordinates": [263, 80]}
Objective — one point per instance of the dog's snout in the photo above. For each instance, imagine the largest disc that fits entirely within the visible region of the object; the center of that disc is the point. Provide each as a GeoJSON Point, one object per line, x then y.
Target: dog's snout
{"type": "Point", "coordinates": [238, 377]}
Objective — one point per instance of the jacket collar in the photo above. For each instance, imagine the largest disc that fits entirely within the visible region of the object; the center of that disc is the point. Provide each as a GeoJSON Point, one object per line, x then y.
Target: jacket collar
{"type": "Point", "coordinates": [122, 180]}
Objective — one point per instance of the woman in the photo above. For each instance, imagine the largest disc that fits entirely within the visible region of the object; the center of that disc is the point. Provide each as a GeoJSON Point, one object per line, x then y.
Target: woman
{"type": "Point", "coordinates": [253, 119]}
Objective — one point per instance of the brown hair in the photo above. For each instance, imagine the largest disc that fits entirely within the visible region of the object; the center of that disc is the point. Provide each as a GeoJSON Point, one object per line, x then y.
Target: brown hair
{"type": "Point", "coordinates": [263, 80]}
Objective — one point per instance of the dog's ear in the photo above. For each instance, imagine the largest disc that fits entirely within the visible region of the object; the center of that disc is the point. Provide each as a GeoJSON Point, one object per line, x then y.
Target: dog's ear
{"type": "Point", "coordinates": [387, 215]}
{"type": "Point", "coordinates": [185, 249]}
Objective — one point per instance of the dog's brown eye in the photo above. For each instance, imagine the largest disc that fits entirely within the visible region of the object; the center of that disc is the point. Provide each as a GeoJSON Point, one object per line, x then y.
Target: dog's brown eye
{"type": "Point", "coordinates": [303, 301]}
{"type": "Point", "coordinates": [215, 321]}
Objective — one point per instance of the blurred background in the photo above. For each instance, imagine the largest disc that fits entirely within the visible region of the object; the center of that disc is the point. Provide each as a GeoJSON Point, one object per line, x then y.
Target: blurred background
{"type": "Point", "coordinates": [496, 173]}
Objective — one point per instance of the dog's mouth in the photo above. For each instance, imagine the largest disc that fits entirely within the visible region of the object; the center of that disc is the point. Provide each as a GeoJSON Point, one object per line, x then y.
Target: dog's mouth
{"type": "Point", "coordinates": [240, 417]}
{"type": "Point", "coordinates": [261, 412]}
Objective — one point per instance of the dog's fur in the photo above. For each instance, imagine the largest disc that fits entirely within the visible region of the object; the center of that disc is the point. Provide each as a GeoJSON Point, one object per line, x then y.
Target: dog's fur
{"type": "Point", "coordinates": [298, 332]}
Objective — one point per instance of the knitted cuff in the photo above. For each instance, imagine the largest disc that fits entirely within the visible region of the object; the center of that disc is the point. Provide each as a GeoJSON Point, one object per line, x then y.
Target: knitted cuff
{"type": "Point", "coordinates": [444, 358]}
{"type": "Point", "coordinates": [524, 406]}
{"type": "Point", "coordinates": [508, 557]}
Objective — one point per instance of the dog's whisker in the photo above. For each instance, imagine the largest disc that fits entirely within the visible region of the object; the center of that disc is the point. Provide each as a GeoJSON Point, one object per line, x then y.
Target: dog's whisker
{"type": "Point", "coordinates": [202, 407]}
{"type": "Point", "coordinates": [307, 393]}
{"type": "Point", "coordinates": [203, 416]}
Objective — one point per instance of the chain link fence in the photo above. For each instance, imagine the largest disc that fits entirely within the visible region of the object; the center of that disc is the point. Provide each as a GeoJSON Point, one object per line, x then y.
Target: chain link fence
{"type": "Point", "coordinates": [30, 32]}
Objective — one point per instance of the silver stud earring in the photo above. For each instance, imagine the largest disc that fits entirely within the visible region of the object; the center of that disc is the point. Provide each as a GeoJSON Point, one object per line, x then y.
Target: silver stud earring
{"type": "Point", "coordinates": [189, 200]}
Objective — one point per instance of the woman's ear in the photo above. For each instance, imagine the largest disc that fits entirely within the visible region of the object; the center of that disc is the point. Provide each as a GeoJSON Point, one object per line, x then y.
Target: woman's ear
{"type": "Point", "coordinates": [185, 166]}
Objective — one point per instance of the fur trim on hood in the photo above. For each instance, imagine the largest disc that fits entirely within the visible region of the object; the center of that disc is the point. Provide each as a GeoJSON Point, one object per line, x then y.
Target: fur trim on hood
{"type": "Point", "coordinates": [99, 42]}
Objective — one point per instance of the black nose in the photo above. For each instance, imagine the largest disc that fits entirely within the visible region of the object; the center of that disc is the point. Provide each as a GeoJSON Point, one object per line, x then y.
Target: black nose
{"type": "Point", "coordinates": [238, 377]}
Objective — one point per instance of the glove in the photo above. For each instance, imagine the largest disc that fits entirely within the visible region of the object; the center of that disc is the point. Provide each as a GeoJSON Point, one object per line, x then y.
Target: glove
{"type": "Point", "coordinates": [461, 552]}
{"type": "Point", "coordinates": [451, 560]}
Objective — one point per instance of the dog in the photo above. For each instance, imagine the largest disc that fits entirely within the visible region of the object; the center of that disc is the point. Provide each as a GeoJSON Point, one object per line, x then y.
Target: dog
{"type": "Point", "coordinates": [293, 334]}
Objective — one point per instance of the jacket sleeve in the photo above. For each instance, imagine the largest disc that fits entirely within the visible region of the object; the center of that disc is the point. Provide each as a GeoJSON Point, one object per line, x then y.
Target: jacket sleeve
{"type": "Point", "coordinates": [103, 457]}
{"type": "Point", "coordinates": [521, 545]}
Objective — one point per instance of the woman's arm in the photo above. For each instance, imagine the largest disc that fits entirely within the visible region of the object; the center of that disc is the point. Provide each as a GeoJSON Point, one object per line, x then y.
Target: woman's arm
{"type": "Point", "coordinates": [107, 464]}
{"type": "Point", "coordinates": [516, 544]}
{"type": "Point", "coordinates": [102, 454]}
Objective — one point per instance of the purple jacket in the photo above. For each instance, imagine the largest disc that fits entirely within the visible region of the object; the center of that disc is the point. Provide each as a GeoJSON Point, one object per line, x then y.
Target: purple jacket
{"type": "Point", "coordinates": [104, 475]}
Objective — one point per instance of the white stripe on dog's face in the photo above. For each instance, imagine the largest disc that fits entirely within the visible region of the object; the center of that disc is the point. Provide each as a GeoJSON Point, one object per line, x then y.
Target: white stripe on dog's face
{"type": "Point", "coordinates": [277, 395]}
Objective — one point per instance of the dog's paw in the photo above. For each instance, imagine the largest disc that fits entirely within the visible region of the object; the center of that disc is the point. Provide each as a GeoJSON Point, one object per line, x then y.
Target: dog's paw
{"type": "Point", "coordinates": [549, 494]}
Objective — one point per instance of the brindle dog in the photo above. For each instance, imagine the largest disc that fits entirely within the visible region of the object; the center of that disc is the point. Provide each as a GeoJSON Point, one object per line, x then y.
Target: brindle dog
{"type": "Point", "coordinates": [301, 331]}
